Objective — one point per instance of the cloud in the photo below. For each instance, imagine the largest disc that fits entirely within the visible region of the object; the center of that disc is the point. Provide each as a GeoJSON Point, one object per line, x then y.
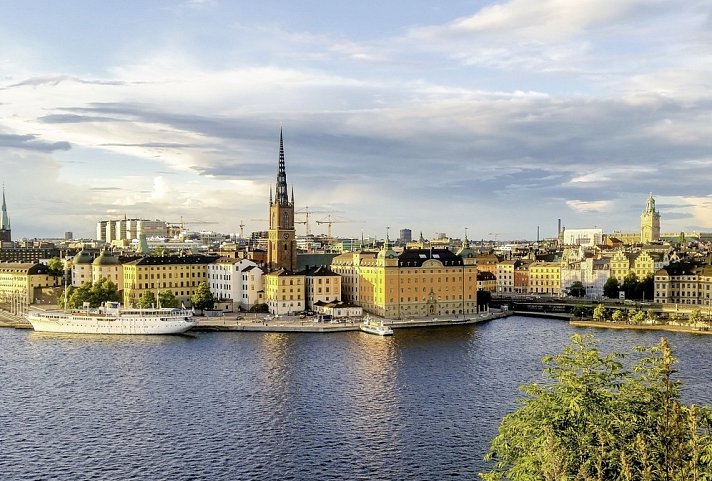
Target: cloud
{"type": "Point", "coordinates": [31, 142]}
{"type": "Point", "coordinates": [581, 206]}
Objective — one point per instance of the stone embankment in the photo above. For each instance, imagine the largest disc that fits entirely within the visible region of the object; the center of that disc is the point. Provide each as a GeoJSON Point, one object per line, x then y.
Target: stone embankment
{"type": "Point", "coordinates": [295, 324]}
{"type": "Point", "coordinates": [643, 327]}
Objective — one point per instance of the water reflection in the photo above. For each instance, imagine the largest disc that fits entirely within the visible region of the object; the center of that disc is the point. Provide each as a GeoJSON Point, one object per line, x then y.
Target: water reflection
{"type": "Point", "coordinates": [420, 405]}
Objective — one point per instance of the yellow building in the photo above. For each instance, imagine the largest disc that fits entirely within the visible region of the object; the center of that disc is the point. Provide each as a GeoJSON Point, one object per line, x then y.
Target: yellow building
{"type": "Point", "coordinates": [414, 283]}
{"type": "Point", "coordinates": [642, 263]}
{"type": "Point", "coordinates": [685, 284]}
{"type": "Point", "coordinates": [179, 274]}
{"type": "Point", "coordinates": [20, 283]}
{"type": "Point", "coordinates": [545, 278]}
{"type": "Point", "coordinates": [284, 292]}
{"type": "Point", "coordinates": [107, 266]}
{"type": "Point", "coordinates": [321, 284]}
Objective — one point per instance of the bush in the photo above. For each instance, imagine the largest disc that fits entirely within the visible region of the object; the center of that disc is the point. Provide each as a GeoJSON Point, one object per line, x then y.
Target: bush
{"type": "Point", "coordinates": [597, 420]}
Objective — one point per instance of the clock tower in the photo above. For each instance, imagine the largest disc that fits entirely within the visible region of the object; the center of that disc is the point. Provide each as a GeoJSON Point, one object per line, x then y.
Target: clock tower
{"type": "Point", "coordinates": [281, 244]}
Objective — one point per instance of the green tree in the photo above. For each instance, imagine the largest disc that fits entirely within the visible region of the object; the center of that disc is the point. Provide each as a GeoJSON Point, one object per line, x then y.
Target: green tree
{"type": "Point", "coordinates": [611, 288]}
{"type": "Point", "coordinates": [202, 298]}
{"type": "Point", "coordinates": [577, 289]}
{"type": "Point", "coordinates": [600, 313]}
{"type": "Point", "coordinates": [618, 316]}
{"type": "Point", "coordinates": [595, 419]}
{"type": "Point", "coordinates": [146, 300]}
{"type": "Point", "coordinates": [56, 267]}
{"type": "Point", "coordinates": [167, 299]}
{"type": "Point", "coordinates": [695, 317]}
{"type": "Point", "coordinates": [630, 286]}
{"type": "Point", "coordinates": [646, 288]}
{"type": "Point", "coordinates": [638, 318]}
{"type": "Point", "coordinates": [95, 294]}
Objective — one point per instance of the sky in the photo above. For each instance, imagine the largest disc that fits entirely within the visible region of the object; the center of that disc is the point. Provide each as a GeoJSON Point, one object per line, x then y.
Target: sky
{"type": "Point", "coordinates": [494, 118]}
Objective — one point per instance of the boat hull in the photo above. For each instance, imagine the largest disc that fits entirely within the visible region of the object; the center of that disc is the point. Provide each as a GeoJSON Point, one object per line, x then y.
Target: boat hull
{"type": "Point", "coordinates": [109, 325]}
{"type": "Point", "coordinates": [379, 331]}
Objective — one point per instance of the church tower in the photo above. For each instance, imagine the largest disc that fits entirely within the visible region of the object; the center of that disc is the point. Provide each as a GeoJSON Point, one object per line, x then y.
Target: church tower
{"type": "Point", "coordinates": [282, 243]}
{"type": "Point", "coordinates": [649, 222]}
{"type": "Point", "coordinates": [5, 232]}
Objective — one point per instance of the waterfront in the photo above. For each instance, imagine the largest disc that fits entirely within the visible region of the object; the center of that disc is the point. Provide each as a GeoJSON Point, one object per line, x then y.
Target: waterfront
{"type": "Point", "coordinates": [420, 405]}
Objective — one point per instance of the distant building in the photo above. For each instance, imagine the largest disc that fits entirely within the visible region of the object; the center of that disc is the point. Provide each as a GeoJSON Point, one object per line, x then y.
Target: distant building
{"type": "Point", "coordinates": [179, 274]}
{"type": "Point", "coordinates": [416, 282]}
{"type": "Point", "coordinates": [321, 285]}
{"type": "Point", "coordinates": [69, 235]}
{"type": "Point", "coordinates": [405, 236]}
{"type": "Point", "coordinates": [284, 292]}
{"type": "Point", "coordinates": [649, 222]}
{"type": "Point", "coordinates": [545, 278]}
{"type": "Point", "coordinates": [22, 283]}
{"type": "Point", "coordinates": [129, 229]}
{"type": "Point", "coordinates": [238, 281]}
{"type": "Point", "coordinates": [684, 283]}
{"type": "Point", "coordinates": [583, 237]}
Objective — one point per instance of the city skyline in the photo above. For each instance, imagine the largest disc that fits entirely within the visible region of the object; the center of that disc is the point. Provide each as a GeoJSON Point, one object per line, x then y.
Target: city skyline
{"type": "Point", "coordinates": [499, 117]}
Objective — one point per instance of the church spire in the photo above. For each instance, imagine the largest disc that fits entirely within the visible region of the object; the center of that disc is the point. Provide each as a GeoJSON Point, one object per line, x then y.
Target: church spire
{"type": "Point", "coordinates": [281, 196]}
{"type": "Point", "coordinates": [4, 218]}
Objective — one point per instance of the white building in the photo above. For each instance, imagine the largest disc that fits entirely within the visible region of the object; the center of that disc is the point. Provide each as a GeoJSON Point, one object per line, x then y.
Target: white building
{"type": "Point", "coordinates": [583, 237]}
{"type": "Point", "coordinates": [240, 281]}
{"type": "Point", "coordinates": [591, 273]}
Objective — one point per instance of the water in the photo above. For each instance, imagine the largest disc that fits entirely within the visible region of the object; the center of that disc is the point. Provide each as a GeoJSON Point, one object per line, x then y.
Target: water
{"type": "Point", "coordinates": [421, 405]}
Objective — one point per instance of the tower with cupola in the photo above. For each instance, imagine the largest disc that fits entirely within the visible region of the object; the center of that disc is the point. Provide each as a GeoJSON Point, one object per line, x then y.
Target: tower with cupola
{"type": "Point", "coordinates": [649, 222]}
{"type": "Point", "coordinates": [281, 244]}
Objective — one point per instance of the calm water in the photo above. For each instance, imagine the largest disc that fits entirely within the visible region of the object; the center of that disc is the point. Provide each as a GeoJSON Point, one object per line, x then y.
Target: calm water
{"type": "Point", "coordinates": [421, 405]}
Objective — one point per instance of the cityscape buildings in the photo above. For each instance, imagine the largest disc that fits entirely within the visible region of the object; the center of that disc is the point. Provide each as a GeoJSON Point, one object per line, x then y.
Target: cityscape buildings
{"type": "Point", "coordinates": [426, 277]}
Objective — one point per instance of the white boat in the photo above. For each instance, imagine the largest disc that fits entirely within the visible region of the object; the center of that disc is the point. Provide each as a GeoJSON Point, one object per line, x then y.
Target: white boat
{"type": "Point", "coordinates": [375, 327]}
{"type": "Point", "coordinates": [111, 318]}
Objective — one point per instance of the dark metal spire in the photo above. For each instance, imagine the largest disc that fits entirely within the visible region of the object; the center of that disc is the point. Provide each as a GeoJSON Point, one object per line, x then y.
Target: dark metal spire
{"type": "Point", "coordinates": [281, 196]}
{"type": "Point", "coordinates": [4, 218]}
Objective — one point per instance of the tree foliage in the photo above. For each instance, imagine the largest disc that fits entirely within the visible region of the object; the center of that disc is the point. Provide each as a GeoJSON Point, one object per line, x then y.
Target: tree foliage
{"type": "Point", "coordinates": [95, 294]}
{"type": "Point", "coordinates": [600, 313]}
{"type": "Point", "coordinates": [577, 289]}
{"type": "Point", "coordinates": [167, 299]}
{"type": "Point", "coordinates": [55, 266]}
{"type": "Point", "coordinates": [598, 420]}
{"type": "Point", "coordinates": [611, 288]}
{"type": "Point", "coordinates": [202, 298]}
{"type": "Point", "coordinates": [146, 300]}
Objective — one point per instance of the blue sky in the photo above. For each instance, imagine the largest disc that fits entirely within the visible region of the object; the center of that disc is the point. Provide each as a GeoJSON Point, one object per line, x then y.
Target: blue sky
{"type": "Point", "coordinates": [495, 116]}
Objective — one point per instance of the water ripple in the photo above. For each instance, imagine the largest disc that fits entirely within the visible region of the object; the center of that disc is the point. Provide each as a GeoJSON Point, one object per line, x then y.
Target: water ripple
{"type": "Point", "coordinates": [420, 405]}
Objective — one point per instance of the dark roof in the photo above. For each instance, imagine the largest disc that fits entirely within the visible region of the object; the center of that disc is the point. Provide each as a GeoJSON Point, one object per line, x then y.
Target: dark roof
{"type": "Point", "coordinates": [284, 272]}
{"type": "Point", "coordinates": [486, 276]}
{"type": "Point", "coordinates": [681, 269]}
{"type": "Point", "coordinates": [315, 271]}
{"type": "Point", "coordinates": [173, 260]}
{"type": "Point", "coordinates": [28, 267]}
{"type": "Point", "coordinates": [416, 257]}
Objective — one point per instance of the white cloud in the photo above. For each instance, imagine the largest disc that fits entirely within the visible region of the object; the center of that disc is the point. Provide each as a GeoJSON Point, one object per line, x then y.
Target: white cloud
{"type": "Point", "coordinates": [581, 206]}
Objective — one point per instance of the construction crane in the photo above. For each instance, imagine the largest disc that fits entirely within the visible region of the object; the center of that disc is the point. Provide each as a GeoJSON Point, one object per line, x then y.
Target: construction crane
{"type": "Point", "coordinates": [306, 213]}
{"type": "Point", "coordinates": [328, 220]}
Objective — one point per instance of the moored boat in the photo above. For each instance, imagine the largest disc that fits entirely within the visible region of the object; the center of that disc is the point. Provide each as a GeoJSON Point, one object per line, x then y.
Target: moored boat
{"type": "Point", "coordinates": [375, 327]}
{"type": "Point", "coordinates": [111, 318]}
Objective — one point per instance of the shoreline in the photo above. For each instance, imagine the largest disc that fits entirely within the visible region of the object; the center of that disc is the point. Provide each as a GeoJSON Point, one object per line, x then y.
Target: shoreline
{"type": "Point", "coordinates": [640, 327]}
{"type": "Point", "coordinates": [300, 325]}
